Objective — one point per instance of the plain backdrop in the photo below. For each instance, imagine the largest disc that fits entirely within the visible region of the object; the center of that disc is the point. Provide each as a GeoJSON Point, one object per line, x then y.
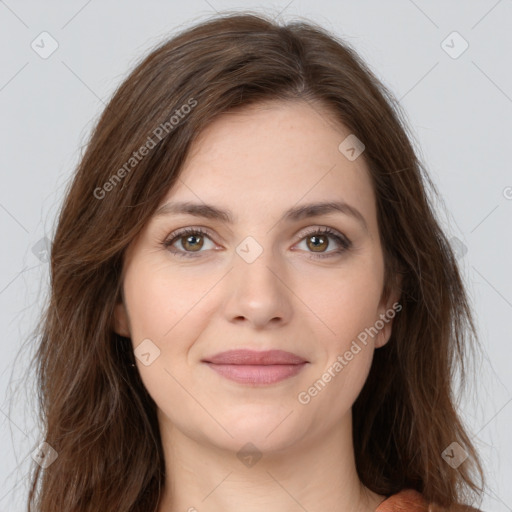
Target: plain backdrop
{"type": "Point", "coordinates": [449, 63]}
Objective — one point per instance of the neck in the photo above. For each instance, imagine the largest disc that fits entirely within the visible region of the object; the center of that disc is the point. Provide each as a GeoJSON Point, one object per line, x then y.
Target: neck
{"type": "Point", "coordinates": [314, 476]}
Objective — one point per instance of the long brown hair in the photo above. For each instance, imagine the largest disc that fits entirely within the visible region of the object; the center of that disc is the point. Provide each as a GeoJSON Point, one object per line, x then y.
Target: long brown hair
{"type": "Point", "coordinates": [95, 410]}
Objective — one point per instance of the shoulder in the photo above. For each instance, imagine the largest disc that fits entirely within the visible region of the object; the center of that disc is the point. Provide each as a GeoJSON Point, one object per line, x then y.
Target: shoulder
{"type": "Point", "coordinates": [410, 500]}
{"type": "Point", "coordinates": [407, 500]}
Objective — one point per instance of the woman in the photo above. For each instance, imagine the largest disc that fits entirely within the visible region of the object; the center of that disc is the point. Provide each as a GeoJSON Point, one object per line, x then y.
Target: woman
{"type": "Point", "coordinates": [253, 306]}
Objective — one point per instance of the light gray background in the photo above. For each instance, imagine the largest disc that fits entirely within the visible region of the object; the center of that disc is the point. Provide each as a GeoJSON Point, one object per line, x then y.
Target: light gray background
{"type": "Point", "coordinates": [460, 110]}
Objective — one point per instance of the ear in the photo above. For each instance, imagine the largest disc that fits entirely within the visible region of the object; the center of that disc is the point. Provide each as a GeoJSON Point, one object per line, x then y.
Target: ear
{"type": "Point", "coordinates": [387, 311]}
{"type": "Point", "coordinates": [120, 321]}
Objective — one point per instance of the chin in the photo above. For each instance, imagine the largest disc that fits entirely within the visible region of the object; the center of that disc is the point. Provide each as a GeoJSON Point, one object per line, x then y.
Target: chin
{"type": "Point", "coordinates": [269, 431]}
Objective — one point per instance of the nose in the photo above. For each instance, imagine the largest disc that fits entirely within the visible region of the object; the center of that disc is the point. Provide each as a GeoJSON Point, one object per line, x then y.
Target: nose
{"type": "Point", "coordinates": [258, 293]}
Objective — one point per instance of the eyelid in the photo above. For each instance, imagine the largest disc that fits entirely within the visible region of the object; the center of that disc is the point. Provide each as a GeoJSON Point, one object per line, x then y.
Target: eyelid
{"type": "Point", "coordinates": [300, 235]}
{"type": "Point", "coordinates": [321, 229]}
{"type": "Point", "coordinates": [191, 229]}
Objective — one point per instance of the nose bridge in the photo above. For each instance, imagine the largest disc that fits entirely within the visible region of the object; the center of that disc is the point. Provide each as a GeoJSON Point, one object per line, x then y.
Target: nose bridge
{"type": "Point", "coordinates": [257, 285]}
{"type": "Point", "coordinates": [256, 266]}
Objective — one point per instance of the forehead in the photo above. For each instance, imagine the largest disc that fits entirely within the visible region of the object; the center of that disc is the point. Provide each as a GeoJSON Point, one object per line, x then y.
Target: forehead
{"type": "Point", "coordinates": [270, 156]}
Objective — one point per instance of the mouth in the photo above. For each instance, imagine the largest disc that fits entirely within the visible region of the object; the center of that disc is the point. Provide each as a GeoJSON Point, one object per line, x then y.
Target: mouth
{"type": "Point", "coordinates": [256, 367]}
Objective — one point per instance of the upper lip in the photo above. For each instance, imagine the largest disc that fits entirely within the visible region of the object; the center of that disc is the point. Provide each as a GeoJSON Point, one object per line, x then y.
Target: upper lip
{"type": "Point", "coordinates": [254, 357]}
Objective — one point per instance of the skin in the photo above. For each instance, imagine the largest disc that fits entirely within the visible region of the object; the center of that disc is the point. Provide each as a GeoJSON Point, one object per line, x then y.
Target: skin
{"type": "Point", "coordinates": [259, 162]}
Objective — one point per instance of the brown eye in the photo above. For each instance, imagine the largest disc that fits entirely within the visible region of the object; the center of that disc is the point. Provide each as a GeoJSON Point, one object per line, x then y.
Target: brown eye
{"type": "Point", "coordinates": [318, 240]}
{"type": "Point", "coordinates": [317, 243]}
{"type": "Point", "coordinates": [188, 242]}
{"type": "Point", "coordinates": [192, 242]}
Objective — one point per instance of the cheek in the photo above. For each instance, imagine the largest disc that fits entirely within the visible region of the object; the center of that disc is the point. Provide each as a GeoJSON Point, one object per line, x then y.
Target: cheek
{"type": "Point", "coordinates": [164, 312]}
{"type": "Point", "coordinates": [167, 308]}
{"type": "Point", "coordinates": [348, 309]}
{"type": "Point", "coordinates": [160, 302]}
{"type": "Point", "coordinates": [346, 302]}
{"type": "Point", "coordinates": [344, 387]}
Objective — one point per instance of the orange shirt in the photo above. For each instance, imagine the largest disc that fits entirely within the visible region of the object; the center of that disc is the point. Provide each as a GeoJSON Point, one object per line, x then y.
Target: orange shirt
{"type": "Point", "coordinates": [410, 500]}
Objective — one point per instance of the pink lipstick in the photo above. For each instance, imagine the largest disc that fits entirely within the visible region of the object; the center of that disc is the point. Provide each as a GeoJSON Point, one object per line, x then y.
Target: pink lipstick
{"type": "Point", "coordinates": [256, 367]}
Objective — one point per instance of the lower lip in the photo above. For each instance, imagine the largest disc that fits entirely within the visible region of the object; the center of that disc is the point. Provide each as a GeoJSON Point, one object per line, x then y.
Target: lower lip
{"type": "Point", "coordinates": [257, 374]}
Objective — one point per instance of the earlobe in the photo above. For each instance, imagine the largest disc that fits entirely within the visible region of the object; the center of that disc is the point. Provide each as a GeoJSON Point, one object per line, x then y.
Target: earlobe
{"type": "Point", "coordinates": [384, 334]}
{"type": "Point", "coordinates": [120, 323]}
{"type": "Point", "coordinates": [393, 306]}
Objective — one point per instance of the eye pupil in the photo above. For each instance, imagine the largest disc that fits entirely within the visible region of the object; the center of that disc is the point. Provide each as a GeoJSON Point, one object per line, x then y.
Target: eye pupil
{"type": "Point", "coordinates": [322, 245]}
{"type": "Point", "coordinates": [189, 240]}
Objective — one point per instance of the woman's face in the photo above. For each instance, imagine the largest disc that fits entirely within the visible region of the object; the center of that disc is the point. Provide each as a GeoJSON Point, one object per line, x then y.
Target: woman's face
{"type": "Point", "coordinates": [266, 279]}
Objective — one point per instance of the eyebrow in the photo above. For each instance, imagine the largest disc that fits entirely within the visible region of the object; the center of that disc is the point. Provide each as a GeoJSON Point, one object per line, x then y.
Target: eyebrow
{"type": "Point", "coordinates": [293, 214]}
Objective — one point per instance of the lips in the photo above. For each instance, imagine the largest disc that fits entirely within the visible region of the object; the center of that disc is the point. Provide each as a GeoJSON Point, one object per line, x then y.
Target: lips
{"type": "Point", "coordinates": [253, 357]}
{"type": "Point", "coordinates": [256, 367]}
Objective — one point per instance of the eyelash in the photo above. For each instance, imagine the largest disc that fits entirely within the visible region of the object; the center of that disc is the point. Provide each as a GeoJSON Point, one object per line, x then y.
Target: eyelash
{"type": "Point", "coordinates": [344, 242]}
